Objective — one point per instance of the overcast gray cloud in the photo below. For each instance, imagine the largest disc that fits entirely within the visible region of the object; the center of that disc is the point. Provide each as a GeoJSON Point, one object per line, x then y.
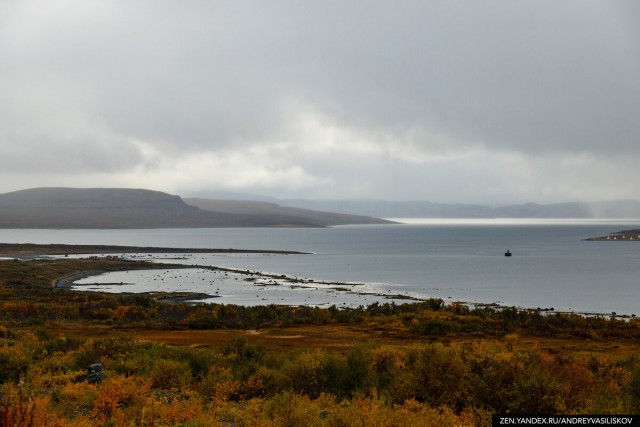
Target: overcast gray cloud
{"type": "Point", "coordinates": [467, 101]}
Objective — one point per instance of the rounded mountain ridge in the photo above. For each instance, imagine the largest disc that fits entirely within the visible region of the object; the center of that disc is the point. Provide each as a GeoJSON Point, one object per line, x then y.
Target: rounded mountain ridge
{"type": "Point", "coordinates": [88, 196]}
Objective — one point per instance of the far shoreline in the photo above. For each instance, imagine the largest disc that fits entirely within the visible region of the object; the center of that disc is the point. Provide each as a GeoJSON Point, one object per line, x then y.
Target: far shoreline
{"type": "Point", "coordinates": [17, 250]}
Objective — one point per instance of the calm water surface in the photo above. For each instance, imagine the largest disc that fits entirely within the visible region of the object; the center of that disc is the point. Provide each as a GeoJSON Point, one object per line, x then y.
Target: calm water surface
{"type": "Point", "coordinates": [552, 265]}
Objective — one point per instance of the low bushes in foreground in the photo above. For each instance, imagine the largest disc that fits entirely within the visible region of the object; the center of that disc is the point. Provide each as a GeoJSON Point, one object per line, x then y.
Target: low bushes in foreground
{"type": "Point", "coordinates": [241, 384]}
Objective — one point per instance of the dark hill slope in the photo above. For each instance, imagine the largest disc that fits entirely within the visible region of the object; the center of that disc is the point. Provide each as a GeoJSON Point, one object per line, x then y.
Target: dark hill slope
{"type": "Point", "coordinates": [129, 208]}
{"type": "Point", "coordinates": [244, 207]}
{"type": "Point", "coordinates": [115, 208]}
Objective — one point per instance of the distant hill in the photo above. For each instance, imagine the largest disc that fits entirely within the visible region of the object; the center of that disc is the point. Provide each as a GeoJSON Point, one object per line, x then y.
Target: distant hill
{"type": "Point", "coordinates": [423, 209]}
{"type": "Point", "coordinates": [133, 208]}
{"type": "Point", "coordinates": [277, 212]}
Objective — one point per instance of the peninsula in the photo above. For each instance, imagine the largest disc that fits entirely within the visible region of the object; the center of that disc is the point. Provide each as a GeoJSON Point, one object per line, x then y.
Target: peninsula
{"type": "Point", "coordinates": [623, 236]}
{"type": "Point", "coordinates": [18, 250]}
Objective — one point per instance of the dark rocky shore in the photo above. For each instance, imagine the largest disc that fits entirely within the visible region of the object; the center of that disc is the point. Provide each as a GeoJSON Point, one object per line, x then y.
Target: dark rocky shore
{"type": "Point", "coordinates": [624, 235]}
{"type": "Point", "coordinates": [30, 249]}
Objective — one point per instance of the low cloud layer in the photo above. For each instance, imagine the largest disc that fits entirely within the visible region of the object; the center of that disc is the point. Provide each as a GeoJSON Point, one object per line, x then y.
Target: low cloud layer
{"type": "Point", "coordinates": [486, 102]}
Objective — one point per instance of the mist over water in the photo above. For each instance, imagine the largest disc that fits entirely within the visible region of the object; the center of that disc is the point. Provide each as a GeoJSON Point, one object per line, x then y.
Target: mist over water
{"type": "Point", "coordinates": [551, 266]}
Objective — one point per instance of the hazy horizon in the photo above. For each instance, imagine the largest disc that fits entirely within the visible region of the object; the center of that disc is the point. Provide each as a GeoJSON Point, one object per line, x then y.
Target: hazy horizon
{"type": "Point", "coordinates": [491, 103]}
{"type": "Point", "coordinates": [240, 196]}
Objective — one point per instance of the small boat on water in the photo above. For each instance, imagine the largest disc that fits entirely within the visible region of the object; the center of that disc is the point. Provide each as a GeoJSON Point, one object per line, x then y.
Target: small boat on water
{"type": "Point", "coordinates": [508, 253]}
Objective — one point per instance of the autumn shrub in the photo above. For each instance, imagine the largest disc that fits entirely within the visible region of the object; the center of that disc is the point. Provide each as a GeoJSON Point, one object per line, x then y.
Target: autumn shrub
{"type": "Point", "coordinates": [336, 377]}
{"type": "Point", "coordinates": [384, 363]}
{"type": "Point", "coordinates": [120, 399]}
{"type": "Point", "coordinates": [202, 318]}
{"type": "Point", "coordinates": [244, 358]}
{"type": "Point", "coordinates": [73, 399]}
{"type": "Point", "coordinates": [273, 380]}
{"type": "Point", "coordinates": [64, 344]}
{"type": "Point", "coordinates": [492, 372]}
{"type": "Point", "coordinates": [434, 374]}
{"type": "Point", "coordinates": [357, 373]}
{"type": "Point", "coordinates": [217, 374]}
{"type": "Point", "coordinates": [305, 374]}
{"type": "Point", "coordinates": [633, 399]}
{"type": "Point", "coordinates": [294, 410]}
{"type": "Point", "coordinates": [577, 385]}
{"type": "Point", "coordinates": [53, 372]}
{"type": "Point", "coordinates": [103, 350]}
{"type": "Point", "coordinates": [86, 355]}
{"type": "Point", "coordinates": [138, 363]}
{"type": "Point", "coordinates": [14, 363]}
{"type": "Point", "coordinates": [186, 409]}
{"type": "Point", "coordinates": [433, 323]}
{"type": "Point", "coordinates": [20, 409]}
{"type": "Point", "coordinates": [170, 374]}
{"type": "Point", "coordinates": [199, 359]}
{"type": "Point", "coordinates": [606, 393]}
{"type": "Point", "coordinates": [247, 414]}
{"type": "Point", "coordinates": [252, 387]}
{"type": "Point", "coordinates": [43, 334]}
{"type": "Point", "coordinates": [537, 390]}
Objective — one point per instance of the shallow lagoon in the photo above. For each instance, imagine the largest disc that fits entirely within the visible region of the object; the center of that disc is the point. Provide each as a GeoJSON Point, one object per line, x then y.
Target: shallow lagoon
{"type": "Point", "coordinates": [240, 287]}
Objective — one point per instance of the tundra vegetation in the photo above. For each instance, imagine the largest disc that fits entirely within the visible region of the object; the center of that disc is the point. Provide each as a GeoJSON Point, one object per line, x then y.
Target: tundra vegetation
{"type": "Point", "coordinates": [167, 364]}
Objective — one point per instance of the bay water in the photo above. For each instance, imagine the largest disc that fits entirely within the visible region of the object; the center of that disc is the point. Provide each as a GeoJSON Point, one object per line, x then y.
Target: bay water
{"type": "Point", "coordinates": [552, 265]}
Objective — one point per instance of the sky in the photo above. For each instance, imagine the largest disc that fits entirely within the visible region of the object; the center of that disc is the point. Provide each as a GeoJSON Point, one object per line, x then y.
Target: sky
{"type": "Point", "coordinates": [466, 101]}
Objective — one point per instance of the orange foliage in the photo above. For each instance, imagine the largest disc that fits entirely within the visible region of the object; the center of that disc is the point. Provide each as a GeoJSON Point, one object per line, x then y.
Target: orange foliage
{"type": "Point", "coordinates": [115, 395]}
{"type": "Point", "coordinates": [20, 410]}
